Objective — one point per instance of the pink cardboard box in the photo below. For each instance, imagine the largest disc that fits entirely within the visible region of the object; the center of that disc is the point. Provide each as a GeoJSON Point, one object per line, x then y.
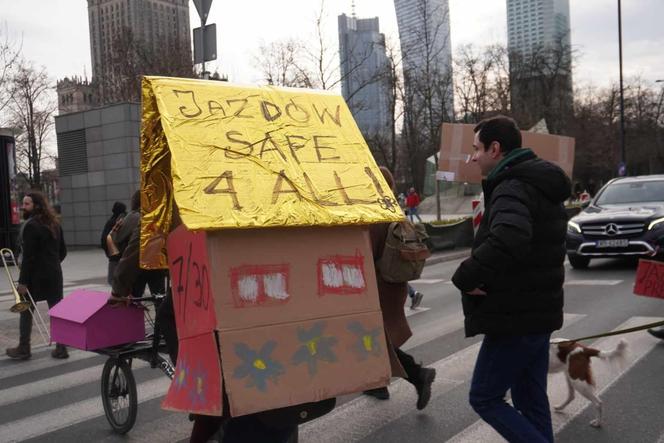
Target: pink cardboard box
{"type": "Point", "coordinates": [84, 320]}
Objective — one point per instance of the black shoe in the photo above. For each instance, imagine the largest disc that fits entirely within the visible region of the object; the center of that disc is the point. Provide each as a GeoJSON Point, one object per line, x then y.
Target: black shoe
{"type": "Point", "coordinates": [423, 387]}
{"type": "Point", "coordinates": [60, 351]}
{"type": "Point", "coordinates": [417, 299]}
{"type": "Point", "coordinates": [657, 332]}
{"type": "Point", "coordinates": [379, 393]}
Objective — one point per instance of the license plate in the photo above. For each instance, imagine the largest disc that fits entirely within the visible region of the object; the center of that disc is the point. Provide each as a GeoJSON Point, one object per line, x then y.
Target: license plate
{"type": "Point", "coordinates": [614, 243]}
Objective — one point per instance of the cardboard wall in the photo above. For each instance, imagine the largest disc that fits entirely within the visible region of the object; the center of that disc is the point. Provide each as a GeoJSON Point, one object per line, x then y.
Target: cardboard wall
{"type": "Point", "coordinates": [295, 310]}
{"type": "Point", "coordinates": [457, 145]}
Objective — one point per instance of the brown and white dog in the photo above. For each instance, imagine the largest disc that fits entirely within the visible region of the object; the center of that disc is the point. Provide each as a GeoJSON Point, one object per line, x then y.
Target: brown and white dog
{"type": "Point", "coordinates": [574, 360]}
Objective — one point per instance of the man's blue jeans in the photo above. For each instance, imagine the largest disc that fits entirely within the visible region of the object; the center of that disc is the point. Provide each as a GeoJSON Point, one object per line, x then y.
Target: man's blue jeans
{"type": "Point", "coordinates": [519, 364]}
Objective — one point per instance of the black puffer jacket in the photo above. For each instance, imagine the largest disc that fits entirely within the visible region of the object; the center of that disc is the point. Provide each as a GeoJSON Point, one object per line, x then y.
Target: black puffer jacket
{"type": "Point", "coordinates": [518, 252]}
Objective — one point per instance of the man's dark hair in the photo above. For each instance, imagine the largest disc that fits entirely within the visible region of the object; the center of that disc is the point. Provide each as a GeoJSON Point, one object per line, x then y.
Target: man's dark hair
{"type": "Point", "coordinates": [501, 129]}
{"type": "Point", "coordinates": [119, 208]}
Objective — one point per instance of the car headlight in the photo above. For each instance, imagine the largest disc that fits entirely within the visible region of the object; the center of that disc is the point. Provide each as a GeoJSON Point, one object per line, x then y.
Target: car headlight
{"type": "Point", "coordinates": [574, 227]}
{"type": "Point", "coordinates": [654, 223]}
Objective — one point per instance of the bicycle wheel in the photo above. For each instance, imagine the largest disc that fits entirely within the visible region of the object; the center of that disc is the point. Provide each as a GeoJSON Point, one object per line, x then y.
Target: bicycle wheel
{"type": "Point", "coordinates": [118, 394]}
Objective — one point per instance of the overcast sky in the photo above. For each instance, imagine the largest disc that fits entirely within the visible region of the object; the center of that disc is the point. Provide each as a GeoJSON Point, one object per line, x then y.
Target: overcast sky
{"type": "Point", "coordinates": [54, 33]}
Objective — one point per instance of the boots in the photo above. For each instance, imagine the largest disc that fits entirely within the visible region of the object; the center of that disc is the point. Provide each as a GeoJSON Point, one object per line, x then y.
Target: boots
{"type": "Point", "coordinates": [423, 386]}
{"type": "Point", "coordinates": [378, 393]}
{"type": "Point", "coordinates": [60, 351]}
{"type": "Point", "coordinates": [20, 352]}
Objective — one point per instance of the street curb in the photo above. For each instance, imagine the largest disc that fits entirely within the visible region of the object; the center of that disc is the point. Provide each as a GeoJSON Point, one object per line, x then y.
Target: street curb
{"type": "Point", "coordinates": [448, 257]}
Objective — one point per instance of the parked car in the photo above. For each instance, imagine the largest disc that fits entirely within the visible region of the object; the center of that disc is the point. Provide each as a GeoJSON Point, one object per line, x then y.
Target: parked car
{"type": "Point", "coordinates": [625, 218]}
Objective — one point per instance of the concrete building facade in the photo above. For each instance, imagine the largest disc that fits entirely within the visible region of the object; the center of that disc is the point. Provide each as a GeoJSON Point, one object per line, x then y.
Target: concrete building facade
{"type": "Point", "coordinates": [75, 94]}
{"type": "Point", "coordinates": [364, 65]}
{"type": "Point", "coordinates": [98, 152]}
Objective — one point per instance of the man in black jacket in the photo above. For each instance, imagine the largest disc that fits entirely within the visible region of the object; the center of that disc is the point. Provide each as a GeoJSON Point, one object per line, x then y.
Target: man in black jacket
{"type": "Point", "coordinates": [512, 285]}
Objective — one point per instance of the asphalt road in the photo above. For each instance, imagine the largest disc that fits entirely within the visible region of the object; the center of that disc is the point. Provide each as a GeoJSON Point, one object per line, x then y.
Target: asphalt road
{"type": "Point", "coordinates": [43, 400]}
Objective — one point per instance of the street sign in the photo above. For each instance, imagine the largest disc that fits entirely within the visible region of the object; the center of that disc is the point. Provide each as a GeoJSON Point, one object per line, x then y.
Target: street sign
{"type": "Point", "coordinates": [445, 176]}
{"type": "Point", "coordinates": [209, 45]}
{"type": "Point", "coordinates": [203, 8]}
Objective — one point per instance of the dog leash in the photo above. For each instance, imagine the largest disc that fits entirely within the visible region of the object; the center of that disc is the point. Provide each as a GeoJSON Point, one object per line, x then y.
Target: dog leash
{"type": "Point", "coordinates": [618, 332]}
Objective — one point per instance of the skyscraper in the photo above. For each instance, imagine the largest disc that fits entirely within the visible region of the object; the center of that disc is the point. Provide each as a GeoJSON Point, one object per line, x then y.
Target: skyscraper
{"type": "Point", "coordinates": [364, 65]}
{"type": "Point", "coordinates": [539, 45]}
{"type": "Point", "coordinates": [424, 33]}
{"type": "Point", "coordinates": [532, 24]}
{"type": "Point", "coordinates": [160, 27]}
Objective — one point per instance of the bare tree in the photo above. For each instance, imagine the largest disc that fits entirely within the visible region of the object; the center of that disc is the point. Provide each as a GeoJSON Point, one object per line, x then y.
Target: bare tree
{"type": "Point", "coordinates": [9, 55]}
{"type": "Point", "coordinates": [31, 107]}
{"type": "Point", "coordinates": [428, 92]}
{"type": "Point", "coordinates": [541, 84]}
{"type": "Point", "coordinates": [280, 63]}
{"type": "Point", "coordinates": [384, 145]}
{"type": "Point", "coordinates": [131, 58]}
{"type": "Point", "coordinates": [482, 83]}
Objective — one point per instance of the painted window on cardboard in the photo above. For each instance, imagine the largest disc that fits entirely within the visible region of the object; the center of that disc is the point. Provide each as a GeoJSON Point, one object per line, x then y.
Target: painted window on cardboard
{"type": "Point", "coordinates": [256, 285]}
{"type": "Point", "coordinates": [341, 274]}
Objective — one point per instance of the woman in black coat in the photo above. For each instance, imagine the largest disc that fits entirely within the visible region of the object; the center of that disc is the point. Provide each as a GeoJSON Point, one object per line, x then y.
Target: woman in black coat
{"type": "Point", "coordinates": [43, 251]}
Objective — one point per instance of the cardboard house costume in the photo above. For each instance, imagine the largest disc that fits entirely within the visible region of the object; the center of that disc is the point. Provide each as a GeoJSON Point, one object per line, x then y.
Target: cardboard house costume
{"type": "Point", "coordinates": [272, 271]}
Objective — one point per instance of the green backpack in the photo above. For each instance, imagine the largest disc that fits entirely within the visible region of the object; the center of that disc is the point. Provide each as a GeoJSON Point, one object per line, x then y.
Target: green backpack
{"type": "Point", "coordinates": [404, 253]}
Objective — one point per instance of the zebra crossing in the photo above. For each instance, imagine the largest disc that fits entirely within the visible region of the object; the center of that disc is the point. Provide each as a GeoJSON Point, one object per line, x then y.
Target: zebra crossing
{"type": "Point", "coordinates": [47, 400]}
{"type": "Point", "coordinates": [64, 406]}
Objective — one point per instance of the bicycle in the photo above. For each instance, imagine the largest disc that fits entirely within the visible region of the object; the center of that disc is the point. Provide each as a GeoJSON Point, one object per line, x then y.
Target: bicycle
{"type": "Point", "coordinates": [118, 385]}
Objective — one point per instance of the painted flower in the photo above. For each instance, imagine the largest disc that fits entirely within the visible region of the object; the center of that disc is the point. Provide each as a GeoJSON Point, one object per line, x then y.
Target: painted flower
{"type": "Point", "coordinates": [181, 372]}
{"type": "Point", "coordinates": [199, 385]}
{"type": "Point", "coordinates": [315, 347]}
{"type": "Point", "coordinates": [257, 367]}
{"type": "Point", "coordinates": [367, 341]}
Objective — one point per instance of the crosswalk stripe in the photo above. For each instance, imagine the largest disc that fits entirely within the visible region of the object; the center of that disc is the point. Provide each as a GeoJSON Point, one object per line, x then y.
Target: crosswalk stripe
{"type": "Point", "coordinates": [427, 281]}
{"type": "Point", "coordinates": [360, 417]}
{"type": "Point", "coordinates": [73, 413]}
{"type": "Point", "coordinates": [57, 383]}
{"type": "Point", "coordinates": [13, 368]}
{"type": "Point", "coordinates": [410, 312]}
{"type": "Point", "coordinates": [639, 345]}
{"type": "Point", "coordinates": [593, 282]}
{"type": "Point", "coordinates": [173, 427]}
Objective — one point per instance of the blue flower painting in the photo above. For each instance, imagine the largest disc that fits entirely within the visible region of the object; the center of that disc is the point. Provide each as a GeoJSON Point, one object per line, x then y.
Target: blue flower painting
{"type": "Point", "coordinates": [315, 347]}
{"type": "Point", "coordinates": [367, 341]}
{"type": "Point", "coordinates": [257, 367]}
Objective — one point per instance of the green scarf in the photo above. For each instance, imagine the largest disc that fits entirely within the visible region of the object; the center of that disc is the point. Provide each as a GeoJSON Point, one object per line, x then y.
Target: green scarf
{"type": "Point", "coordinates": [510, 157]}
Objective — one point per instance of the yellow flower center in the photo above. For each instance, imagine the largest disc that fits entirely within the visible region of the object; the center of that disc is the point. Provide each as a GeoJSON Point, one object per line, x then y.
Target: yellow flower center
{"type": "Point", "coordinates": [312, 346]}
{"type": "Point", "coordinates": [367, 341]}
{"type": "Point", "coordinates": [259, 364]}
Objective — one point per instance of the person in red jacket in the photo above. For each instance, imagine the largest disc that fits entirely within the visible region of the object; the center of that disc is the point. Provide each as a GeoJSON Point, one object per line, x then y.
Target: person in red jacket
{"type": "Point", "coordinates": [412, 202]}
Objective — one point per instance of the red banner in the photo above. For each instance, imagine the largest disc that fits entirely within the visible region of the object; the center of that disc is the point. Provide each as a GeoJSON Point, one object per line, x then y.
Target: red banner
{"type": "Point", "coordinates": [649, 279]}
{"type": "Point", "coordinates": [192, 297]}
{"type": "Point", "coordinates": [196, 386]}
